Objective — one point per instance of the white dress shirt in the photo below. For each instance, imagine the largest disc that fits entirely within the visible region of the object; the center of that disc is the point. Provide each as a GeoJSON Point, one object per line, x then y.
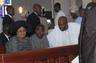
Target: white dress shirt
{"type": "Point", "coordinates": [6, 36]}
{"type": "Point", "coordinates": [76, 60]}
{"type": "Point", "coordinates": [78, 20]}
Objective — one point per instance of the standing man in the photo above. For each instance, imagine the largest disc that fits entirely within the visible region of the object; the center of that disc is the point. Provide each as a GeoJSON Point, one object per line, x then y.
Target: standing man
{"type": "Point", "coordinates": [87, 39]}
{"type": "Point", "coordinates": [33, 19]}
{"type": "Point", "coordinates": [8, 19]}
{"type": "Point", "coordinates": [80, 17]}
{"type": "Point", "coordinates": [4, 36]}
{"type": "Point", "coordinates": [57, 9]}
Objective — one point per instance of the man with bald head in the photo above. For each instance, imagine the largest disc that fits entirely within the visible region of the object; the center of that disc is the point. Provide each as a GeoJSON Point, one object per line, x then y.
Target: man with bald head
{"type": "Point", "coordinates": [33, 19]}
{"type": "Point", "coordinates": [62, 23]}
{"type": "Point", "coordinates": [64, 33]}
{"type": "Point", "coordinates": [37, 9]}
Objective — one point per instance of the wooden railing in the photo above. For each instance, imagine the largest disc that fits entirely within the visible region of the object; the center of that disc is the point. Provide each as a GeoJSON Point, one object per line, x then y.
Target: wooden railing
{"type": "Point", "coordinates": [2, 49]}
{"type": "Point", "coordinates": [49, 55]}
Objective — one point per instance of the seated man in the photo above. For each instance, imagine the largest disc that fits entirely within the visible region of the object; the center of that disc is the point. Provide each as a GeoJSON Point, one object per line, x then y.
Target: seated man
{"type": "Point", "coordinates": [64, 33]}
{"type": "Point", "coordinates": [39, 39]}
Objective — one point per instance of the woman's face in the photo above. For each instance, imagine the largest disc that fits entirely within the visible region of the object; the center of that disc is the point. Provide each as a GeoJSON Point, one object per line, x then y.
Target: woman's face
{"type": "Point", "coordinates": [21, 32]}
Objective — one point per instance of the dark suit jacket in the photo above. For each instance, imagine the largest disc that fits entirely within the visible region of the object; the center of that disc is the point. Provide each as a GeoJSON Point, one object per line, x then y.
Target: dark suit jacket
{"type": "Point", "coordinates": [7, 20]}
{"type": "Point", "coordinates": [87, 38]}
{"type": "Point", "coordinates": [3, 39]}
{"type": "Point", "coordinates": [33, 20]}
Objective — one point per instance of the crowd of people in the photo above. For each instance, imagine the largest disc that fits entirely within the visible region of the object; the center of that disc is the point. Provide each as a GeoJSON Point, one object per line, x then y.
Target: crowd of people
{"type": "Point", "coordinates": [33, 33]}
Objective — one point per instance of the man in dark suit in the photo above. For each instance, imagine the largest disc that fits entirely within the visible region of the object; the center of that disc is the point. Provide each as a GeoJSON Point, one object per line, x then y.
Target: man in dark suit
{"type": "Point", "coordinates": [87, 39]}
{"type": "Point", "coordinates": [4, 36]}
{"type": "Point", "coordinates": [33, 19]}
{"type": "Point", "coordinates": [8, 19]}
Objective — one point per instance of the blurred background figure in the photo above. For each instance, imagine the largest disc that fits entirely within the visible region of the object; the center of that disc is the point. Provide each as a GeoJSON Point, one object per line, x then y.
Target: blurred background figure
{"type": "Point", "coordinates": [81, 16]}
{"type": "Point", "coordinates": [8, 19]}
{"type": "Point", "coordinates": [33, 19]}
{"type": "Point", "coordinates": [4, 36]}
{"type": "Point", "coordinates": [43, 20]}
{"type": "Point", "coordinates": [57, 9]}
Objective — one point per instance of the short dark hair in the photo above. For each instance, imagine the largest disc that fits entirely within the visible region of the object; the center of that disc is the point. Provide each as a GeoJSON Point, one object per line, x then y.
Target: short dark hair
{"type": "Point", "coordinates": [18, 24]}
{"type": "Point", "coordinates": [8, 7]}
{"type": "Point", "coordinates": [40, 25]}
{"type": "Point", "coordinates": [57, 5]}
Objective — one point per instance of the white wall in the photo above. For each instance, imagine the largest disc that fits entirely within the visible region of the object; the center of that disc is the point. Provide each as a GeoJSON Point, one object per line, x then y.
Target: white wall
{"type": "Point", "coordinates": [73, 6]}
{"type": "Point", "coordinates": [27, 5]}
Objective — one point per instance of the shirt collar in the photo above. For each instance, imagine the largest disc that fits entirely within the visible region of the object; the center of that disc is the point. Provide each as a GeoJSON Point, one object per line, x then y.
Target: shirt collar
{"type": "Point", "coordinates": [9, 15]}
{"type": "Point", "coordinates": [35, 13]}
{"type": "Point", "coordinates": [6, 36]}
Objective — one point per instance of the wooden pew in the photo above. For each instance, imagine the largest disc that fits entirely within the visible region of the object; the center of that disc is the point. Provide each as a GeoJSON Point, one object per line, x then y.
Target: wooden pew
{"type": "Point", "coordinates": [49, 55]}
{"type": "Point", "coordinates": [2, 49]}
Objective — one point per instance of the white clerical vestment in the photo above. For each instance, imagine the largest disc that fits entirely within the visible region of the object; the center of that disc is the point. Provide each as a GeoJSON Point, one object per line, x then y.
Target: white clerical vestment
{"type": "Point", "coordinates": [70, 36]}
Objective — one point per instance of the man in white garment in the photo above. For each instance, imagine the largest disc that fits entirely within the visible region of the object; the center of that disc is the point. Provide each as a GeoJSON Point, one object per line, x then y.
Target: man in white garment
{"type": "Point", "coordinates": [79, 18]}
{"type": "Point", "coordinates": [64, 33]}
{"type": "Point", "coordinates": [57, 9]}
{"type": "Point", "coordinates": [43, 21]}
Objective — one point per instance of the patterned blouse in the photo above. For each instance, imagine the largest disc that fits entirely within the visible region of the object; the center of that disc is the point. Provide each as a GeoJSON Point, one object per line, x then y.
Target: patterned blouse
{"type": "Point", "coordinates": [14, 45]}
